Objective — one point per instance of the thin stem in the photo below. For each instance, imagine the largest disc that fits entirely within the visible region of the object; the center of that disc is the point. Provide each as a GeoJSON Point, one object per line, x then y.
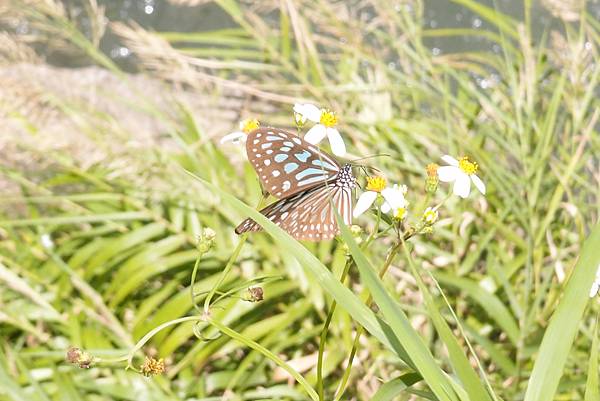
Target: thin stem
{"type": "Point", "coordinates": [268, 354]}
{"type": "Point", "coordinates": [229, 266]}
{"type": "Point", "coordinates": [152, 333]}
{"type": "Point", "coordinates": [325, 331]}
{"type": "Point", "coordinates": [193, 281]}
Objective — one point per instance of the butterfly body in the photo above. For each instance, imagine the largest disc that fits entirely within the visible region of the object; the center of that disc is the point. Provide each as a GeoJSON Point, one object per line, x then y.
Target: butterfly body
{"type": "Point", "coordinates": [308, 182]}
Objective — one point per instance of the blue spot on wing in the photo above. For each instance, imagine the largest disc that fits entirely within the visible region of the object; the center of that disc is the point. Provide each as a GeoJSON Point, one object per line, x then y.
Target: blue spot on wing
{"type": "Point", "coordinates": [288, 143]}
{"type": "Point", "coordinates": [285, 149]}
{"type": "Point", "coordinates": [303, 157]}
{"type": "Point", "coordinates": [289, 167]}
{"type": "Point", "coordinates": [310, 171]}
{"type": "Point", "coordinates": [274, 138]}
{"type": "Point", "coordinates": [280, 157]}
{"type": "Point", "coordinates": [323, 163]}
{"type": "Point", "coordinates": [266, 145]}
{"type": "Point", "coordinates": [317, 178]}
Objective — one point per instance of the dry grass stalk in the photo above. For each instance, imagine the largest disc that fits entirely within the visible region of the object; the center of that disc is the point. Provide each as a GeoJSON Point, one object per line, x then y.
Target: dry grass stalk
{"type": "Point", "coordinates": [567, 10]}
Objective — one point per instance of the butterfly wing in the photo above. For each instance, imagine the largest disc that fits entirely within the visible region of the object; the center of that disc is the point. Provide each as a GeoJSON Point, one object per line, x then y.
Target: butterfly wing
{"type": "Point", "coordinates": [286, 164]}
{"type": "Point", "coordinates": [308, 215]}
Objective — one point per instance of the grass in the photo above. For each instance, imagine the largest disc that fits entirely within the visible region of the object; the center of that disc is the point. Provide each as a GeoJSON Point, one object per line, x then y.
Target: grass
{"type": "Point", "coordinates": [492, 305]}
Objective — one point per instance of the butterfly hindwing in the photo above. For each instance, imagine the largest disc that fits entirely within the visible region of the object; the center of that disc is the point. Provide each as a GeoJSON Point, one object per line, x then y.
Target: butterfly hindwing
{"type": "Point", "coordinates": [308, 215]}
{"type": "Point", "coordinates": [286, 164]}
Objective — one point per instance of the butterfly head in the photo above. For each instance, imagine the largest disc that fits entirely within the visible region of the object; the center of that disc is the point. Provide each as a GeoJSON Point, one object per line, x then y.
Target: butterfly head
{"type": "Point", "coordinates": [346, 177]}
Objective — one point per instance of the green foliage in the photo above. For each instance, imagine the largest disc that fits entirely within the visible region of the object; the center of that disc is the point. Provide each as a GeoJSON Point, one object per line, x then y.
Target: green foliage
{"type": "Point", "coordinates": [492, 305]}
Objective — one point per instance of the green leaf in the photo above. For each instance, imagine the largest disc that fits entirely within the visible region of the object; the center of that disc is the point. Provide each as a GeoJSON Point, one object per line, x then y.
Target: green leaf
{"type": "Point", "coordinates": [413, 343]}
{"type": "Point", "coordinates": [390, 390]}
{"type": "Point", "coordinates": [560, 334]}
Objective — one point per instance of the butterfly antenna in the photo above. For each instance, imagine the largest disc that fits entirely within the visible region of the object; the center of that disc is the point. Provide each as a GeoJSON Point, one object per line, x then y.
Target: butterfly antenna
{"type": "Point", "coordinates": [370, 157]}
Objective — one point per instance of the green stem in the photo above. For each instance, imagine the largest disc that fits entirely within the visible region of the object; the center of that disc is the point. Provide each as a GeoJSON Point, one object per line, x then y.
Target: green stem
{"type": "Point", "coordinates": [225, 273]}
{"type": "Point", "coordinates": [152, 333]}
{"type": "Point", "coordinates": [228, 267]}
{"type": "Point", "coordinates": [193, 281]}
{"type": "Point", "coordinates": [268, 354]}
{"type": "Point", "coordinates": [324, 333]}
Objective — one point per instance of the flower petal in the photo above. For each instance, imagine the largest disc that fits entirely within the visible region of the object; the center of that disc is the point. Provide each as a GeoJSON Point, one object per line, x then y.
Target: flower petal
{"type": "Point", "coordinates": [338, 147]}
{"type": "Point", "coordinates": [315, 134]}
{"type": "Point", "coordinates": [448, 173]}
{"type": "Point", "coordinates": [308, 110]}
{"type": "Point", "coordinates": [478, 183]}
{"type": "Point", "coordinates": [234, 137]}
{"type": "Point", "coordinates": [385, 208]}
{"type": "Point", "coordinates": [462, 186]}
{"type": "Point", "coordinates": [394, 197]}
{"type": "Point", "coordinates": [450, 160]}
{"type": "Point", "coordinates": [364, 202]}
{"type": "Point", "coordinates": [594, 289]}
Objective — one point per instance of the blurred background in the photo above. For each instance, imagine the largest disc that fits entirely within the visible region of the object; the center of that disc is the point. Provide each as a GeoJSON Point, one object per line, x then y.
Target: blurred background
{"type": "Point", "coordinates": [103, 102]}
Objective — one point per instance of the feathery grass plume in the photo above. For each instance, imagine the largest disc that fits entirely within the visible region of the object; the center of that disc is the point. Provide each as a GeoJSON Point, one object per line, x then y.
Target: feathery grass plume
{"type": "Point", "coordinates": [14, 49]}
{"type": "Point", "coordinates": [567, 10]}
{"type": "Point", "coordinates": [158, 55]}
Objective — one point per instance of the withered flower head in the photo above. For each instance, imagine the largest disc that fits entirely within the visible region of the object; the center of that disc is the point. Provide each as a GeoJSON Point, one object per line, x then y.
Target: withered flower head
{"type": "Point", "coordinates": [152, 367]}
{"type": "Point", "coordinates": [256, 294]}
{"type": "Point", "coordinates": [80, 358]}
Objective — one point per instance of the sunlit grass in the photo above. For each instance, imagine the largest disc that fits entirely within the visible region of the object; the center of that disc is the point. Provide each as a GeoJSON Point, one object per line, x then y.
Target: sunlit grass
{"type": "Point", "coordinates": [492, 305]}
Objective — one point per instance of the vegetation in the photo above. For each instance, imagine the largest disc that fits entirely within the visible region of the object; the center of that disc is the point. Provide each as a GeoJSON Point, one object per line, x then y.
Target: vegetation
{"type": "Point", "coordinates": [106, 262]}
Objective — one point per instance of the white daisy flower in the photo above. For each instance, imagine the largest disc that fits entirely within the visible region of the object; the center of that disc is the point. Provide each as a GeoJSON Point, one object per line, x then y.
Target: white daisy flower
{"type": "Point", "coordinates": [430, 216]}
{"type": "Point", "coordinates": [461, 172]}
{"type": "Point", "coordinates": [246, 126]}
{"type": "Point", "coordinates": [326, 121]}
{"type": "Point", "coordinates": [596, 284]}
{"type": "Point", "coordinates": [394, 200]}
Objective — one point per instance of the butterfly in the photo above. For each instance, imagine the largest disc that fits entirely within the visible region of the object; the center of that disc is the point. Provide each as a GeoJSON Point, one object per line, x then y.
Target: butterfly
{"type": "Point", "coordinates": [307, 181]}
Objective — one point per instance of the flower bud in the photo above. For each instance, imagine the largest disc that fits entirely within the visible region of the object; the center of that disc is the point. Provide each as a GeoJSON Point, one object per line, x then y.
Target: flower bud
{"type": "Point", "coordinates": [206, 241]}
{"type": "Point", "coordinates": [431, 183]}
{"type": "Point", "coordinates": [356, 230]}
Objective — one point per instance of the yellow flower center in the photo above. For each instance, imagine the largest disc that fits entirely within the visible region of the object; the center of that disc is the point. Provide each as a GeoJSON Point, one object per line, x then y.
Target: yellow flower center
{"type": "Point", "coordinates": [249, 125]}
{"type": "Point", "coordinates": [400, 213]}
{"type": "Point", "coordinates": [430, 216]}
{"type": "Point", "coordinates": [467, 166]}
{"type": "Point", "coordinates": [432, 169]}
{"type": "Point", "coordinates": [328, 118]}
{"type": "Point", "coordinates": [375, 184]}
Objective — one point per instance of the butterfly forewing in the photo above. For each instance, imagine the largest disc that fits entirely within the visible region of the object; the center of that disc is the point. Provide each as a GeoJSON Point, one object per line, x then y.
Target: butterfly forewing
{"type": "Point", "coordinates": [286, 164]}
{"type": "Point", "coordinates": [308, 215]}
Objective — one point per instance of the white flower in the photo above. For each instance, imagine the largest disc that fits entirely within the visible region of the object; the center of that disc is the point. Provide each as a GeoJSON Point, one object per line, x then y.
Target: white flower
{"type": "Point", "coordinates": [46, 241]}
{"type": "Point", "coordinates": [393, 197]}
{"type": "Point", "coordinates": [430, 216]}
{"type": "Point", "coordinates": [326, 121]}
{"type": "Point", "coordinates": [246, 126]}
{"type": "Point", "coordinates": [461, 172]}
{"type": "Point", "coordinates": [596, 284]}
{"type": "Point", "coordinates": [394, 201]}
